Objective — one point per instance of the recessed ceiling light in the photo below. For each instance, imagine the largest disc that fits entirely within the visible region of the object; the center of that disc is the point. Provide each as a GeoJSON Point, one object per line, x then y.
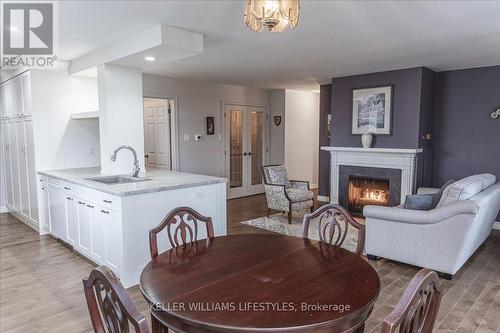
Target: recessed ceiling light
{"type": "Point", "coordinates": [149, 58]}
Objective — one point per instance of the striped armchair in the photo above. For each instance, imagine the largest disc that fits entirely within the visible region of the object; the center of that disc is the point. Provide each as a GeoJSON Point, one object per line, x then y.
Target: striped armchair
{"type": "Point", "coordinates": [284, 194]}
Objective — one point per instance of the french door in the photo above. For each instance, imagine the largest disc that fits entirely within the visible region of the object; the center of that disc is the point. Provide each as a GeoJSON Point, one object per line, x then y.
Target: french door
{"type": "Point", "coordinates": [246, 148]}
{"type": "Point", "coordinates": [157, 132]}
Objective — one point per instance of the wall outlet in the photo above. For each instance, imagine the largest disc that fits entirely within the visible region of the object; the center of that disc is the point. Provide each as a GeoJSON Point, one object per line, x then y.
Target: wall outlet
{"type": "Point", "coordinates": [197, 137]}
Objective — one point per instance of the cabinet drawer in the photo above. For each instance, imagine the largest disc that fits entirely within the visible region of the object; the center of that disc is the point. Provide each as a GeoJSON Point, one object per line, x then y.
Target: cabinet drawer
{"type": "Point", "coordinates": [108, 201]}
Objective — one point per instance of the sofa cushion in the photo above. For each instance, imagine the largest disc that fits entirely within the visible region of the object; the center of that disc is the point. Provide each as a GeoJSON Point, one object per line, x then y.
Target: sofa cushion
{"type": "Point", "coordinates": [426, 201]}
{"type": "Point", "coordinates": [466, 188]}
{"type": "Point", "coordinates": [297, 194]}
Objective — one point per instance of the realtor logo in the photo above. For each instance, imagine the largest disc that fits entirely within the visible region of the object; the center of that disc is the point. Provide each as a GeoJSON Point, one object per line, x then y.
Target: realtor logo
{"type": "Point", "coordinates": [28, 28]}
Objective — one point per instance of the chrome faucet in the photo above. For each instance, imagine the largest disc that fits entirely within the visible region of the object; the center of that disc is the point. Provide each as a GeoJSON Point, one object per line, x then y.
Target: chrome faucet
{"type": "Point", "coordinates": [136, 170]}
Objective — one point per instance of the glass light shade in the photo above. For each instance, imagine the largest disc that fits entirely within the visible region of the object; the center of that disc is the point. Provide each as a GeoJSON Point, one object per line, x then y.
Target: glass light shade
{"type": "Point", "coordinates": [275, 15]}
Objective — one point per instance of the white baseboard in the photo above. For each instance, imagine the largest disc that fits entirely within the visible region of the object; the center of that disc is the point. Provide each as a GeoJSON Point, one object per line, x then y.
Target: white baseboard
{"type": "Point", "coordinates": [323, 198]}
{"type": "Point", "coordinates": [4, 209]}
{"type": "Point", "coordinates": [496, 225]}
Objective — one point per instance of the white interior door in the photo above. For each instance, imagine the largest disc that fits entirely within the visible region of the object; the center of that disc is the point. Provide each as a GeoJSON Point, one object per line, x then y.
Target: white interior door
{"type": "Point", "coordinates": [246, 149]}
{"type": "Point", "coordinates": [157, 132]}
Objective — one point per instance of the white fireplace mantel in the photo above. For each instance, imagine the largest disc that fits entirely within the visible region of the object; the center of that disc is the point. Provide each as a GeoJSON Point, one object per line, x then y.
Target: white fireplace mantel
{"type": "Point", "coordinates": [402, 159]}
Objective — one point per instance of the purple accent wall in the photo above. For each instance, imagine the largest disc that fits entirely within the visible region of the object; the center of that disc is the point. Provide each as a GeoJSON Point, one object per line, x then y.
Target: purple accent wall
{"type": "Point", "coordinates": [405, 109]}
{"type": "Point", "coordinates": [325, 98]}
{"type": "Point", "coordinates": [466, 138]}
{"type": "Point", "coordinates": [454, 106]}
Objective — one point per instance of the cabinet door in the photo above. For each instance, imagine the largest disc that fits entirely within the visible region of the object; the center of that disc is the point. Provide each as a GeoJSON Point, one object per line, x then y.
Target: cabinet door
{"type": "Point", "coordinates": [23, 167]}
{"type": "Point", "coordinates": [111, 223]}
{"type": "Point", "coordinates": [3, 99]}
{"type": "Point", "coordinates": [13, 150]}
{"type": "Point", "coordinates": [85, 216]}
{"type": "Point", "coordinates": [25, 85]}
{"type": "Point", "coordinates": [45, 213]}
{"type": "Point", "coordinates": [97, 237]}
{"type": "Point", "coordinates": [7, 99]}
{"type": "Point", "coordinates": [7, 162]}
{"type": "Point", "coordinates": [57, 211]}
{"type": "Point", "coordinates": [71, 219]}
{"type": "Point", "coordinates": [32, 180]}
{"type": "Point", "coordinates": [15, 98]}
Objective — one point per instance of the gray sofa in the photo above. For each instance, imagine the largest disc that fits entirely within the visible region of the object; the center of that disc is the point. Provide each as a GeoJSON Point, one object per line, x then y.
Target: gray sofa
{"type": "Point", "coordinates": [442, 238]}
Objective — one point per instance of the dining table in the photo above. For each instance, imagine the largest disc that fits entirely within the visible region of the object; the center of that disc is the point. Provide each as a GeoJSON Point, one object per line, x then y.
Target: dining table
{"type": "Point", "coordinates": [259, 283]}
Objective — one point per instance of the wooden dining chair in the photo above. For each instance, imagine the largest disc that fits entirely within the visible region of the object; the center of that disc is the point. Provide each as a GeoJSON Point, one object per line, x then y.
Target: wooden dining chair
{"type": "Point", "coordinates": [110, 308]}
{"type": "Point", "coordinates": [178, 220]}
{"type": "Point", "coordinates": [333, 224]}
{"type": "Point", "coordinates": [417, 309]}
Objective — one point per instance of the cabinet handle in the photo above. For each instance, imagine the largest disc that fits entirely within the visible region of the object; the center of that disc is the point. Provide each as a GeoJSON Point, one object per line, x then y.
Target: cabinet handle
{"type": "Point", "coordinates": [104, 211]}
{"type": "Point", "coordinates": [90, 206]}
{"type": "Point", "coordinates": [67, 188]}
{"type": "Point", "coordinates": [70, 199]}
{"type": "Point", "coordinates": [107, 201]}
{"type": "Point", "coordinates": [43, 188]}
{"type": "Point", "coordinates": [81, 202]}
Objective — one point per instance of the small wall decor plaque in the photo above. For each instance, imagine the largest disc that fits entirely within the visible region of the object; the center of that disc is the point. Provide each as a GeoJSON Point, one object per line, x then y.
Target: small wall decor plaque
{"type": "Point", "coordinates": [210, 126]}
{"type": "Point", "coordinates": [277, 120]}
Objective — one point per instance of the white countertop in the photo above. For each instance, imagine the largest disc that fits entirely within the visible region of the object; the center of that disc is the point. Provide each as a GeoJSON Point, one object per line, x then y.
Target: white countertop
{"type": "Point", "coordinates": [161, 180]}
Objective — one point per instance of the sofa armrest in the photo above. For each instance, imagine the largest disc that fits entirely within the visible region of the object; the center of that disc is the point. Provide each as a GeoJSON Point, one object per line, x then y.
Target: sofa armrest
{"type": "Point", "coordinates": [436, 215]}
{"type": "Point", "coordinates": [427, 190]}
{"type": "Point", "coordinates": [302, 184]}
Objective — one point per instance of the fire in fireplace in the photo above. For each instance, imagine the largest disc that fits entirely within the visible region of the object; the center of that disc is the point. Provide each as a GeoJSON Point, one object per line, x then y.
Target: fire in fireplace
{"type": "Point", "coordinates": [367, 191]}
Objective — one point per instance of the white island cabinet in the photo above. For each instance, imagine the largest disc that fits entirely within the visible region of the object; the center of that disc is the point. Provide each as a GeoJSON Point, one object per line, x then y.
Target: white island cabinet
{"type": "Point", "coordinates": [109, 224]}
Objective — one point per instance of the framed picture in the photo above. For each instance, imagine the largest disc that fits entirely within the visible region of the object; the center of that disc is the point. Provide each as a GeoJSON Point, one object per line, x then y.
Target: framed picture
{"type": "Point", "coordinates": [372, 110]}
{"type": "Point", "coordinates": [329, 126]}
{"type": "Point", "coordinates": [210, 126]}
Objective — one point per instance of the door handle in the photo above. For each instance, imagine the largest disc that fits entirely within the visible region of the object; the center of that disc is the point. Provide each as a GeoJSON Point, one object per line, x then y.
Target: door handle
{"type": "Point", "coordinates": [245, 154]}
{"type": "Point", "coordinates": [250, 154]}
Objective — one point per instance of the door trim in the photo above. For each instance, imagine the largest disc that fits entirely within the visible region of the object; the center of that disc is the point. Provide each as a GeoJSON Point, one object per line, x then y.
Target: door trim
{"type": "Point", "coordinates": [174, 121]}
{"type": "Point", "coordinates": [224, 131]}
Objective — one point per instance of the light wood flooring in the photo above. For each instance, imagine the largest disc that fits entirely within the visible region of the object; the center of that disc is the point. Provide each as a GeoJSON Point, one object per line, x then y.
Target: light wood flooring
{"type": "Point", "coordinates": [41, 290]}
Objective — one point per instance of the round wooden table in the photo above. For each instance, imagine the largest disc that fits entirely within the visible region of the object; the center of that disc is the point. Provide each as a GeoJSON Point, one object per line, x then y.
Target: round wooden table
{"type": "Point", "coordinates": [259, 283]}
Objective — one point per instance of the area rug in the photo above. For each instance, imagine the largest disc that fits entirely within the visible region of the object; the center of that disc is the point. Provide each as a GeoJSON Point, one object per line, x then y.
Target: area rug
{"type": "Point", "coordinates": [279, 223]}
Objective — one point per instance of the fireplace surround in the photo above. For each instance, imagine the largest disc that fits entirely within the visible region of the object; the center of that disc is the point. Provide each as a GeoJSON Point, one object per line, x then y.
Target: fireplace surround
{"type": "Point", "coordinates": [403, 161]}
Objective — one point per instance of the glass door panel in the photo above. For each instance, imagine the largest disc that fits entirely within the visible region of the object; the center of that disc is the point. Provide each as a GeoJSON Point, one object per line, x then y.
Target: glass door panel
{"type": "Point", "coordinates": [257, 151]}
{"type": "Point", "coordinates": [236, 148]}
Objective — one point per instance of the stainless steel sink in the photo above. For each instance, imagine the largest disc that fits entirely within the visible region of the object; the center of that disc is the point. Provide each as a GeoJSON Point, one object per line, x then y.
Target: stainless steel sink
{"type": "Point", "coordinates": [113, 180]}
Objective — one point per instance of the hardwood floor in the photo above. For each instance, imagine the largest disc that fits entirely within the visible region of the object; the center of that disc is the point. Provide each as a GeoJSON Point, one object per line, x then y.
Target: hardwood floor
{"type": "Point", "coordinates": [41, 290]}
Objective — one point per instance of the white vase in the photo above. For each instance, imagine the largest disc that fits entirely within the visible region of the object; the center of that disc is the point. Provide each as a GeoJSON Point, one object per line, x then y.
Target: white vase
{"type": "Point", "coordinates": [366, 140]}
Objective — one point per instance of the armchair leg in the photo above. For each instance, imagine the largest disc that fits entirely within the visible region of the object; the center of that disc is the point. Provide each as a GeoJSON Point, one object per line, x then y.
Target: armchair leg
{"type": "Point", "coordinates": [372, 257]}
{"type": "Point", "coordinates": [290, 217]}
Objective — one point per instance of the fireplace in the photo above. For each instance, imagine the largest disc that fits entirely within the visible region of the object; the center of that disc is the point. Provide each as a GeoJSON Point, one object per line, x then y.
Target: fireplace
{"type": "Point", "coordinates": [366, 191]}
{"type": "Point", "coordinates": [360, 186]}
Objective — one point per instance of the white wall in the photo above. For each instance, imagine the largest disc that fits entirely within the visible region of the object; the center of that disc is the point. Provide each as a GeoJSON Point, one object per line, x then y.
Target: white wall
{"type": "Point", "coordinates": [277, 133]}
{"type": "Point", "coordinates": [59, 141]}
{"type": "Point", "coordinates": [196, 101]}
{"type": "Point", "coordinates": [301, 135]}
{"type": "Point", "coordinates": [121, 117]}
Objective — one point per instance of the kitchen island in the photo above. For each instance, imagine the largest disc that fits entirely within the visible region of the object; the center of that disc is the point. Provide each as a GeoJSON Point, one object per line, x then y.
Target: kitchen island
{"type": "Point", "coordinates": [107, 219]}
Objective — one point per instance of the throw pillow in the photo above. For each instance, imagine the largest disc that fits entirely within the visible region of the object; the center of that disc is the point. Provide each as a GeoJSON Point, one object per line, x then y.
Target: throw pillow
{"type": "Point", "coordinates": [419, 201]}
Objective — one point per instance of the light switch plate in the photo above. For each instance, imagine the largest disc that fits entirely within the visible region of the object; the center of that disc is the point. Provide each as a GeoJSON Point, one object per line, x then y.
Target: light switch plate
{"type": "Point", "coordinates": [187, 137]}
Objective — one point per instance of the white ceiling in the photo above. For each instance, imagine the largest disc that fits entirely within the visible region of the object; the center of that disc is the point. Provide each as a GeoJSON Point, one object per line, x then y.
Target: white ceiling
{"type": "Point", "coordinates": [333, 38]}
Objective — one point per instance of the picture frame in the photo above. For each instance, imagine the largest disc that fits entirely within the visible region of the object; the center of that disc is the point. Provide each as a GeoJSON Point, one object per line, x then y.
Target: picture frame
{"type": "Point", "coordinates": [210, 125]}
{"type": "Point", "coordinates": [372, 110]}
